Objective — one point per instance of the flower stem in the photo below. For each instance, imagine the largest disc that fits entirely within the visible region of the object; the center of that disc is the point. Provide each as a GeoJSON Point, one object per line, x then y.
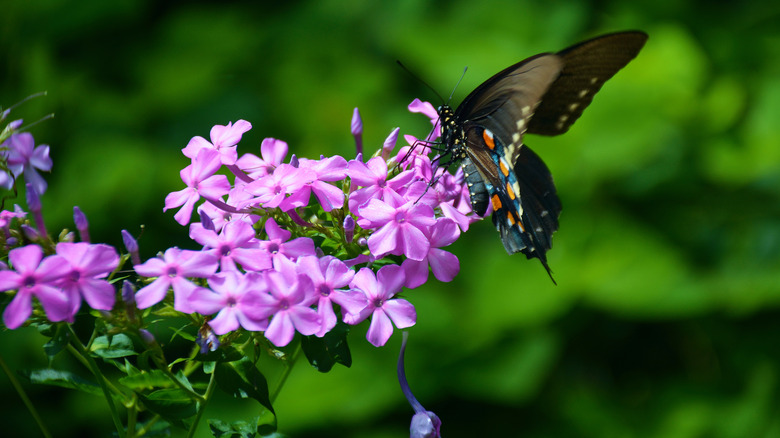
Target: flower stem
{"type": "Point", "coordinates": [26, 400]}
{"type": "Point", "coordinates": [202, 405]}
{"type": "Point", "coordinates": [92, 365]}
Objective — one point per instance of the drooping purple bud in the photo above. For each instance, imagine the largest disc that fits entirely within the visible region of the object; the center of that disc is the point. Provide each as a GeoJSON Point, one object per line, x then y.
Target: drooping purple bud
{"type": "Point", "coordinates": [349, 228]}
{"type": "Point", "coordinates": [389, 144]}
{"type": "Point", "coordinates": [357, 130]}
{"type": "Point", "coordinates": [34, 203]}
{"type": "Point", "coordinates": [132, 247]}
{"type": "Point", "coordinates": [425, 424]}
{"type": "Point", "coordinates": [207, 339]}
{"type": "Point", "coordinates": [81, 224]}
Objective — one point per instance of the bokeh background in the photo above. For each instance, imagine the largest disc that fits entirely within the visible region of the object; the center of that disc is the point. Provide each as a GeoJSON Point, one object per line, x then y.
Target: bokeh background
{"type": "Point", "coordinates": [666, 318]}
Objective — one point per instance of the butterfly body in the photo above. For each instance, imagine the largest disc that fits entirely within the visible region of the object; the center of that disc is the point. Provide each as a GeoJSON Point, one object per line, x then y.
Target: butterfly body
{"type": "Point", "coordinates": [545, 95]}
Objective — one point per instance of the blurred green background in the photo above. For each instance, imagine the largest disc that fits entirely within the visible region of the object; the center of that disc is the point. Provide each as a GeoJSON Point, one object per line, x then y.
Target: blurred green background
{"type": "Point", "coordinates": [666, 318]}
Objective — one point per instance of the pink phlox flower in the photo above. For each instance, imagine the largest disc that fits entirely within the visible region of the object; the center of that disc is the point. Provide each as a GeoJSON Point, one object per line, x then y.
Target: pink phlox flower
{"type": "Point", "coordinates": [172, 271]}
{"type": "Point", "coordinates": [400, 226]}
{"type": "Point", "coordinates": [324, 171]}
{"type": "Point", "coordinates": [445, 265]}
{"type": "Point", "coordinates": [89, 265]}
{"type": "Point", "coordinates": [238, 198]}
{"type": "Point", "coordinates": [236, 298]}
{"type": "Point", "coordinates": [35, 276]}
{"type": "Point", "coordinates": [420, 192]}
{"type": "Point", "coordinates": [289, 301]}
{"type": "Point", "coordinates": [236, 243]}
{"type": "Point", "coordinates": [223, 139]}
{"type": "Point", "coordinates": [273, 152]}
{"type": "Point", "coordinates": [279, 243]}
{"type": "Point", "coordinates": [24, 157]}
{"type": "Point", "coordinates": [416, 157]}
{"type": "Point", "coordinates": [201, 181]}
{"type": "Point", "coordinates": [427, 109]}
{"type": "Point", "coordinates": [329, 276]}
{"type": "Point", "coordinates": [7, 216]}
{"type": "Point", "coordinates": [382, 307]}
{"type": "Point", "coordinates": [272, 189]}
{"type": "Point", "coordinates": [372, 176]}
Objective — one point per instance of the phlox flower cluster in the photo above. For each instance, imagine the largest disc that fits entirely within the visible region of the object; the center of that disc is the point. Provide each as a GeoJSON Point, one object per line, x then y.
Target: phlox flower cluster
{"type": "Point", "coordinates": [286, 244]}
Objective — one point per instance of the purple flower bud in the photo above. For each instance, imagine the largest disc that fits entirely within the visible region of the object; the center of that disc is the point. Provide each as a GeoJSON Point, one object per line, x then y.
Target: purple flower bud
{"type": "Point", "coordinates": [34, 202]}
{"type": "Point", "coordinates": [68, 237]}
{"type": "Point", "coordinates": [349, 228]}
{"type": "Point", "coordinates": [362, 241]}
{"type": "Point", "coordinates": [147, 337]}
{"type": "Point", "coordinates": [357, 130]}
{"type": "Point", "coordinates": [128, 297]}
{"type": "Point", "coordinates": [81, 224]}
{"type": "Point", "coordinates": [389, 143]}
{"type": "Point", "coordinates": [11, 242]}
{"type": "Point", "coordinates": [30, 233]}
{"type": "Point", "coordinates": [132, 247]}
{"type": "Point", "coordinates": [13, 126]}
{"type": "Point", "coordinates": [294, 161]}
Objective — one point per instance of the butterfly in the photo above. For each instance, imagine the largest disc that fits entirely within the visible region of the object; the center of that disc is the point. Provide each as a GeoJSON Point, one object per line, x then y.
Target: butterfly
{"type": "Point", "coordinates": [544, 94]}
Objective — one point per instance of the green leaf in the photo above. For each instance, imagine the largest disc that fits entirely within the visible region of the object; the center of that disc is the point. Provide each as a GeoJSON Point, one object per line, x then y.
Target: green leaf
{"type": "Point", "coordinates": [222, 354]}
{"type": "Point", "coordinates": [241, 429]}
{"type": "Point", "coordinates": [171, 404]}
{"type": "Point", "coordinates": [58, 342]}
{"type": "Point", "coordinates": [111, 348]}
{"type": "Point", "coordinates": [151, 379]}
{"type": "Point", "coordinates": [242, 379]}
{"type": "Point", "coordinates": [328, 350]}
{"type": "Point", "coordinates": [64, 379]}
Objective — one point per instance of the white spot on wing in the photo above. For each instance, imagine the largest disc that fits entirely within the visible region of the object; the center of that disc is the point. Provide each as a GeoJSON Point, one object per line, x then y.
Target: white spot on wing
{"type": "Point", "coordinates": [593, 80]}
{"type": "Point", "coordinates": [583, 93]}
{"type": "Point", "coordinates": [573, 106]}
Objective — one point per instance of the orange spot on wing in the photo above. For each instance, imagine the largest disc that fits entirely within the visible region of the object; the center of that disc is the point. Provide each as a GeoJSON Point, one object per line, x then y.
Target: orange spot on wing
{"type": "Point", "coordinates": [488, 137]}
{"type": "Point", "coordinates": [496, 202]}
{"type": "Point", "coordinates": [509, 191]}
{"type": "Point", "coordinates": [503, 168]}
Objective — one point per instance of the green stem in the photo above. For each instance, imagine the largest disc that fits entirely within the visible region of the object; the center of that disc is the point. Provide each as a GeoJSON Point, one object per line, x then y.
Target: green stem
{"type": "Point", "coordinates": [132, 416]}
{"type": "Point", "coordinates": [202, 405]}
{"type": "Point", "coordinates": [26, 400]}
{"type": "Point", "coordinates": [92, 365]}
{"type": "Point", "coordinates": [286, 374]}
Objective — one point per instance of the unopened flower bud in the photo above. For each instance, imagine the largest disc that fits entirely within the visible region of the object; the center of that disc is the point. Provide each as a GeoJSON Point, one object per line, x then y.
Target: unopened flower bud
{"type": "Point", "coordinates": [81, 224]}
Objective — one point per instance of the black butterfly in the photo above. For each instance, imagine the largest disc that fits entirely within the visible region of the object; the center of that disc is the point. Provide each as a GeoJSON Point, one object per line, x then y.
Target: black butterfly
{"type": "Point", "coordinates": [545, 95]}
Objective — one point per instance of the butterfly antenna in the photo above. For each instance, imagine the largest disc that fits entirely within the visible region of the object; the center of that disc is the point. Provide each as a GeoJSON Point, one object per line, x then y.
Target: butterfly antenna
{"type": "Point", "coordinates": [457, 84]}
{"type": "Point", "coordinates": [420, 80]}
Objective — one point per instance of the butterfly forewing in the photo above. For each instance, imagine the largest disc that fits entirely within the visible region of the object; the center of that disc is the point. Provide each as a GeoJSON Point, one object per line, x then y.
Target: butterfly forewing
{"type": "Point", "coordinates": [506, 102]}
{"type": "Point", "coordinates": [586, 67]}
